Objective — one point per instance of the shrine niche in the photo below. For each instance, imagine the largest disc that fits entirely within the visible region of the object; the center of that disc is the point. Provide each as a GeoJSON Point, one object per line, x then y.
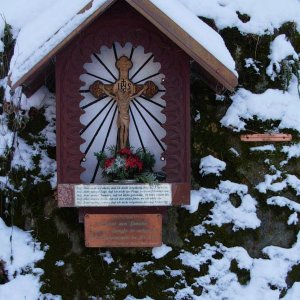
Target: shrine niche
{"type": "Point", "coordinates": [166, 125]}
{"type": "Point", "coordinates": [122, 85]}
{"type": "Point", "coordinates": [134, 75]}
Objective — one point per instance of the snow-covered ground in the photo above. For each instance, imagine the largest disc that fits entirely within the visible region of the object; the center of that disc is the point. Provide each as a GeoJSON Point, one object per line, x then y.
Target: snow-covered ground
{"type": "Point", "coordinates": [20, 252]}
{"type": "Point", "coordinates": [267, 276]}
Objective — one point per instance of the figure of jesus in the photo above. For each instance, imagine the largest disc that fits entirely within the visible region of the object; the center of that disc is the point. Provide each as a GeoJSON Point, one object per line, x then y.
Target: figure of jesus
{"type": "Point", "coordinates": [123, 91]}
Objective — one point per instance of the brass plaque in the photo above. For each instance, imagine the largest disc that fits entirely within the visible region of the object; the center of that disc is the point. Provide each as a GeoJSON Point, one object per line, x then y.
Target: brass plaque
{"type": "Point", "coordinates": [123, 230]}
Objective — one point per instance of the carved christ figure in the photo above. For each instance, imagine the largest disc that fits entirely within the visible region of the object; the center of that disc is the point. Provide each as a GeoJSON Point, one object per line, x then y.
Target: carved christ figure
{"type": "Point", "coordinates": [123, 91]}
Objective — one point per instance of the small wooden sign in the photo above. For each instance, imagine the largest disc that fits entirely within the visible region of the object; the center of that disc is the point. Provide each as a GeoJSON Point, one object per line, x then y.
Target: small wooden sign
{"type": "Point", "coordinates": [266, 137]}
{"type": "Point", "coordinates": [123, 230]}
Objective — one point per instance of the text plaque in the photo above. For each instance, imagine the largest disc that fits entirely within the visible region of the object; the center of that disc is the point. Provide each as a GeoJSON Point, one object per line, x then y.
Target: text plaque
{"type": "Point", "coordinates": [123, 230]}
{"type": "Point", "coordinates": [107, 195]}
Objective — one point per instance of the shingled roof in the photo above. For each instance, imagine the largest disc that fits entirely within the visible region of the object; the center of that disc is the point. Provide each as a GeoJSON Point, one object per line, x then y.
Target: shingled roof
{"type": "Point", "coordinates": [171, 17]}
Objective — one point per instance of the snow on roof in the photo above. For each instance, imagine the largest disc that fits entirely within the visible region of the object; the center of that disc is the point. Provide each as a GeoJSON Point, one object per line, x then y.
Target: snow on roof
{"type": "Point", "coordinates": [38, 35]}
{"type": "Point", "coordinates": [197, 29]}
{"type": "Point", "coordinates": [41, 26]}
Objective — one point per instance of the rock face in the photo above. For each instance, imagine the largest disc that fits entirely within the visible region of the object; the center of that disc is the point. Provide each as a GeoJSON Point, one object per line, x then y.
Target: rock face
{"type": "Point", "coordinates": [198, 241]}
{"type": "Point", "coordinates": [3, 275]}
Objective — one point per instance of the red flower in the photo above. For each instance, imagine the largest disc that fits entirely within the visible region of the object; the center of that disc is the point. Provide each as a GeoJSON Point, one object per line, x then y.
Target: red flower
{"type": "Point", "coordinates": [108, 162]}
{"type": "Point", "coordinates": [125, 151]}
{"type": "Point", "coordinates": [134, 162]}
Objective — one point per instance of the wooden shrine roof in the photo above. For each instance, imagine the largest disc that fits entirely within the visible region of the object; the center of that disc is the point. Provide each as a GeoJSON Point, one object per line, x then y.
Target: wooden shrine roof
{"type": "Point", "coordinates": [213, 71]}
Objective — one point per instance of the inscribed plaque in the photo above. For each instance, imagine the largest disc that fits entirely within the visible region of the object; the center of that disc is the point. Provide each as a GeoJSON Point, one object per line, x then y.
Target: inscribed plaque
{"type": "Point", "coordinates": [123, 230]}
{"type": "Point", "coordinates": [92, 195]}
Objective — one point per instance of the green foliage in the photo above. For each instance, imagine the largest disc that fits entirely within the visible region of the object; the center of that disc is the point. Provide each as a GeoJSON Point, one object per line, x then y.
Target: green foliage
{"type": "Point", "coordinates": [147, 158]}
{"type": "Point", "coordinates": [101, 157]}
{"type": "Point", "coordinates": [147, 178]}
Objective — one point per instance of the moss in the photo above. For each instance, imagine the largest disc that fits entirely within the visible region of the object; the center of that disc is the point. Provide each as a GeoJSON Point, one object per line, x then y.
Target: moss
{"type": "Point", "coordinates": [170, 231]}
{"type": "Point", "coordinates": [243, 17]}
{"type": "Point", "coordinates": [293, 275]}
{"type": "Point", "coordinates": [289, 29]}
{"type": "Point", "coordinates": [34, 125]}
{"type": "Point", "coordinates": [6, 55]}
{"type": "Point", "coordinates": [243, 275]}
{"type": "Point", "coordinates": [3, 273]}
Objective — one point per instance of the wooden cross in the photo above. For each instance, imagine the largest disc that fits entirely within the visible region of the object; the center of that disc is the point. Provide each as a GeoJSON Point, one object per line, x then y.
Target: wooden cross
{"type": "Point", "coordinates": [123, 91]}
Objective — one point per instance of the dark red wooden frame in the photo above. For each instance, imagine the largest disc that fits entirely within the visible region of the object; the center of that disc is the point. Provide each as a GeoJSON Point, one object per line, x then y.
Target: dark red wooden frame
{"type": "Point", "coordinates": [121, 23]}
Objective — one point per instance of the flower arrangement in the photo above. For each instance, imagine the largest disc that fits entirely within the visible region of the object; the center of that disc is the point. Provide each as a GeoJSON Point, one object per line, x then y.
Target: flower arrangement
{"type": "Point", "coordinates": [127, 164]}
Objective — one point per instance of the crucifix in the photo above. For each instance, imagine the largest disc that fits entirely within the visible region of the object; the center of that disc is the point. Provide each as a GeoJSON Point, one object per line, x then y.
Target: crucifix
{"type": "Point", "coordinates": [123, 91]}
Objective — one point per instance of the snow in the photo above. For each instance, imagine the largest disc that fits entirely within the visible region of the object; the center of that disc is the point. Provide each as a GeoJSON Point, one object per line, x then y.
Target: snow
{"type": "Point", "coordinates": [139, 268]}
{"type": "Point", "coordinates": [130, 297]}
{"type": "Point", "coordinates": [159, 273]}
{"type": "Point", "coordinates": [23, 287]}
{"type": "Point", "coordinates": [196, 260]}
{"type": "Point", "coordinates": [273, 104]}
{"type": "Point", "coordinates": [263, 148]}
{"type": "Point", "coordinates": [234, 151]}
{"type": "Point", "coordinates": [291, 151]}
{"type": "Point", "coordinates": [293, 293]}
{"type": "Point", "coordinates": [161, 251]}
{"type": "Point", "coordinates": [280, 49]}
{"type": "Point", "coordinates": [220, 98]}
{"type": "Point", "coordinates": [119, 285]}
{"type": "Point", "coordinates": [223, 212]}
{"type": "Point", "coordinates": [293, 219]}
{"type": "Point", "coordinates": [222, 283]}
{"type": "Point", "coordinates": [36, 100]}
{"type": "Point", "coordinates": [24, 251]}
{"type": "Point", "coordinates": [265, 16]}
{"type": "Point", "coordinates": [252, 63]}
{"type": "Point", "coordinates": [60, 263]}
{"type": "Point", "coordinates": [197, 29]}
{"type": "Point", "coordinates": [198, 116]}
{"type": "Point", "coordinates": [49, 105]}
{"type": "Point", "coordinates": [107, 257]}
{"type": "Point", "coordinates": [48, 167]}
{"type": "Point", "coordinates": [283, 201]}
{"type": "Point", "coordinates": [43, 99]}
{"type": "Point", "coordinates": [211, 165]}
{"type": "Point", "coordinates": [294, 182]}
{"type": "Point", "coordinates": [4, 183]}
{"type": "Point", "coordinates": [6, 137]}
{"type": "Point", "coordinates": [40, 27]}
{"type": "Point", "coordinates": [23, 155]}
{"type": "Point", "coordinates": [20, 255]}
{"type": "Point", "coordinates": [198, 230]}
{"type": "Point", "coordinates": [269, 183]}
